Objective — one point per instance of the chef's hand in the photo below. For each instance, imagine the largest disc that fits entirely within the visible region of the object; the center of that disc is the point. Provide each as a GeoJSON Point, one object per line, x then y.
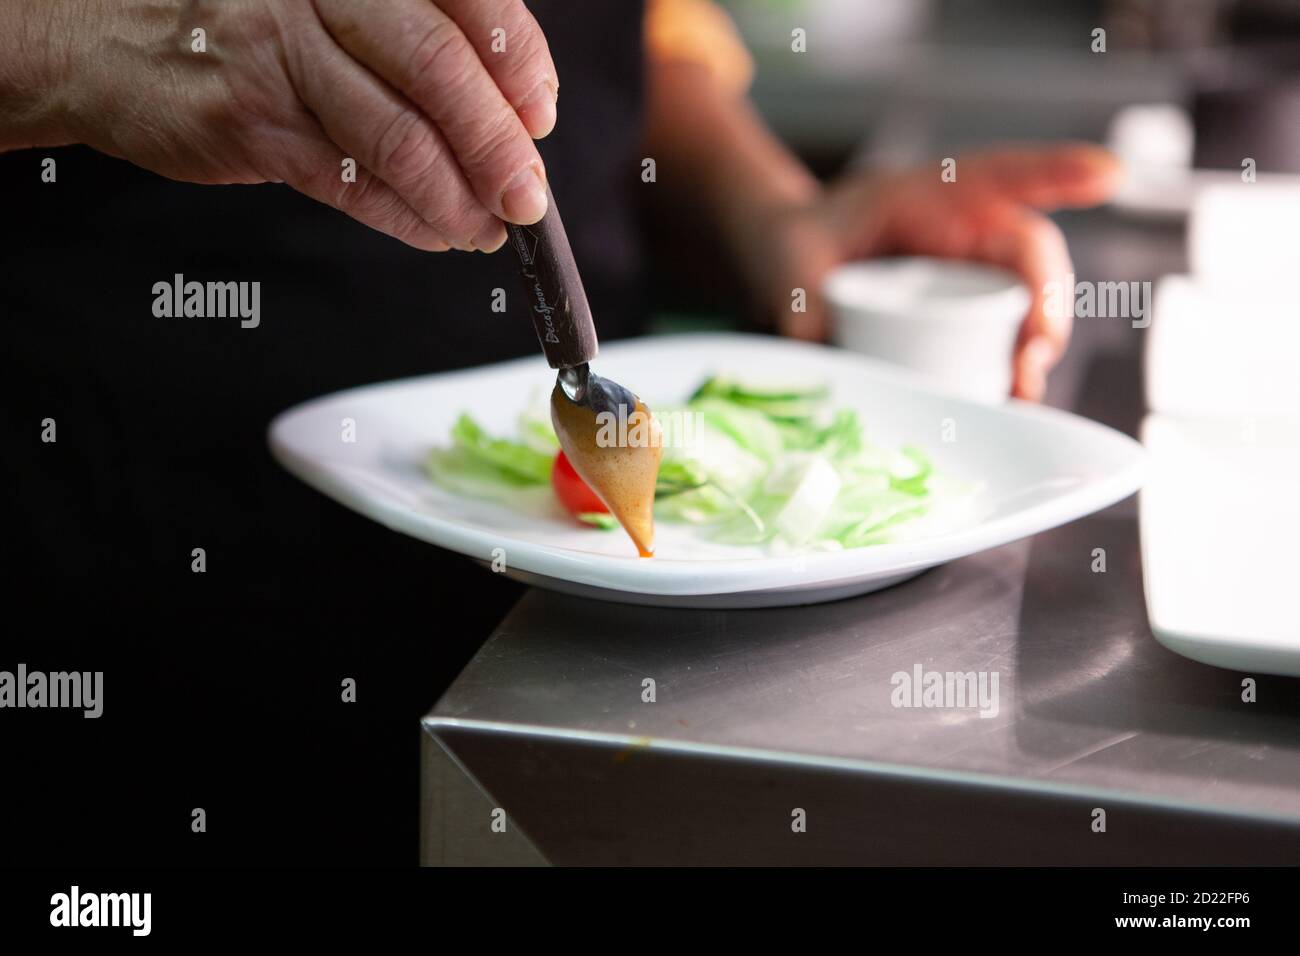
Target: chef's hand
{"type": "Point", "coordinates": [439, 123]}
{"type": "Point", "coordinates": [991, 213]}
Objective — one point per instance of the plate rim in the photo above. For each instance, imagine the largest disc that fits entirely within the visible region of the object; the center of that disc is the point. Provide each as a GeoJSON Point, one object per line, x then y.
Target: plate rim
{"type": "Point", "coordinates": [663, 576]}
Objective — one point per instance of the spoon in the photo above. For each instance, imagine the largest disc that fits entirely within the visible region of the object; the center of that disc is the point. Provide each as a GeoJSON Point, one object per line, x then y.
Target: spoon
{"type": "Point", "coordinates": [595, 418]}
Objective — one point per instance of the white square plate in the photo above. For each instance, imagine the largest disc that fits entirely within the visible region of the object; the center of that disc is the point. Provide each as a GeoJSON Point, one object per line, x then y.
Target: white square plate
{"type": "Point", "coordinates": [1029, 469]}
{"type": "Point", "coordinates": [1220, 518]}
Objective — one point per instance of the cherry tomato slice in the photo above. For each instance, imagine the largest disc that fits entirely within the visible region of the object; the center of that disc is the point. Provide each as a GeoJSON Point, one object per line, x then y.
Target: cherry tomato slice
{"type": "Point", "coordinates": [572, 491]}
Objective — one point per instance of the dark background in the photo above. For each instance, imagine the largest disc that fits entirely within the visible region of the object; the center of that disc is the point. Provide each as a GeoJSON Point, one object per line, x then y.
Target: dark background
{"type": "Point", "coordinates": [222, 690]}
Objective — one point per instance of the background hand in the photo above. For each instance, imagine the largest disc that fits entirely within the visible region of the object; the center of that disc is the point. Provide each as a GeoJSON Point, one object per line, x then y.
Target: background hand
{"type": "Point", "coordinates": [992, 213]}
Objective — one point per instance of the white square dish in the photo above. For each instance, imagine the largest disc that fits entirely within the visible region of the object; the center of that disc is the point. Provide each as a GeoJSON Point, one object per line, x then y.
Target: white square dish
{"type": "Point", "coordinates": [1219, 519]}
{"type": "Point", "coordinates": [1029, 468]}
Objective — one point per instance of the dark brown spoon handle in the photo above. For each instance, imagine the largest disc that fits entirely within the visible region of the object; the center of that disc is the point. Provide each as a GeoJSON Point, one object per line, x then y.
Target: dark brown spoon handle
{"type": "Point", "coordinates": [554, 290]}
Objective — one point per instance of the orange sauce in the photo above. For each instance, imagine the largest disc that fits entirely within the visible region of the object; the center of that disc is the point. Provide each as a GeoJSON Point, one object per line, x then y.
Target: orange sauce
{"type": "Point", "coordinates": [621, 465]}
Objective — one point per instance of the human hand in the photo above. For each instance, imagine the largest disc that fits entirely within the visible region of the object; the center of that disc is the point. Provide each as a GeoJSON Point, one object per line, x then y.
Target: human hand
{"type": "Point", "coordinates": [992, 213]}
{"type": "Point", "coordinates": [439, 125]}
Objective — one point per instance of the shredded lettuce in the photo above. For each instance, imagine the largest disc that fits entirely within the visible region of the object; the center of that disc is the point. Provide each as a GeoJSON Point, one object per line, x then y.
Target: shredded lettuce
{"type": "Point", "coordinates": [535, 429]}
{"type": "Point", "coordinates": [480, 466]}
{"type": "Point", "coordinates": [779, 467]}
{"type": "Point", "coordinates": [767, 465]}
{"type": "Point", "coordinates": [787, 403]}
{"type": "Point", "coordinates": [514, 458]}
{"type": "Point", "coordinates": [750, 429]}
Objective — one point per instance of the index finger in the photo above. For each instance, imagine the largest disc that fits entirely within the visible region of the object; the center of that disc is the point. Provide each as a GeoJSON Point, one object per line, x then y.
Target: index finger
{"type": "Point", "coordinates": [416, 47]}
{"type": "Point", "coordinates": [513, 48]}
{"type": "Point", "coordinates": [1078, 174]}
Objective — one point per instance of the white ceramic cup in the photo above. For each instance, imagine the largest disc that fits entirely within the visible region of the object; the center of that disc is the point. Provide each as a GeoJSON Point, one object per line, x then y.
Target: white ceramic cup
{"type": "Point", "coordinates": [955, 322]}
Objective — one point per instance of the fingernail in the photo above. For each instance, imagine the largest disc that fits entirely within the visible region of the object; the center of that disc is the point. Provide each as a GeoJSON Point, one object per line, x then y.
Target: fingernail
{"type": "Point", "coordinates": [524, 200]}
{"type": "Point", "coordinates": [491, 237]}
{"type": "Point", "coordinates": [537, 112]}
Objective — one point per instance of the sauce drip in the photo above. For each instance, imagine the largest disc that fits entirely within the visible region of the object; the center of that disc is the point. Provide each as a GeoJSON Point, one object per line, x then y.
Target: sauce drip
{"type": "Point", "coordinates": [615, 450]}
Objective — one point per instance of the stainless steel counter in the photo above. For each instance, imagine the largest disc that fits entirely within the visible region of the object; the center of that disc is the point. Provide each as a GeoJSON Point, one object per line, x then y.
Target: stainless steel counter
{"type": "Point", "coordinates": [759, 715]}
